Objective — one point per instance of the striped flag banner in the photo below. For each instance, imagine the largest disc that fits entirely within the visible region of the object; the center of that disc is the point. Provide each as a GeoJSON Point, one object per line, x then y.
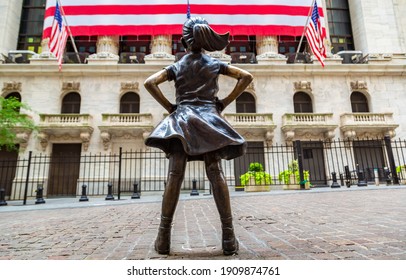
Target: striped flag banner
{"type": "Point", "coordinates": [58, 36]}
{"type": "Point", "coordinates": [316, 35]}
{"type": "Point", "coordinates": [153, 17]}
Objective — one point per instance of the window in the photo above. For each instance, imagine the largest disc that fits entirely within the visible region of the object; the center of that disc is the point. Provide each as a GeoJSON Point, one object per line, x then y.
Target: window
{"type": "Point", "coordinates": [302, 103]}
{"type": "Point", "coordinates": [359, 103]}
{"type": "Point", "coordinates": [84, 44]}
{"type": "Point", "coordinates": [71, 103]}
{"type": "Point", "coordinates": [31, 25]}
{"type": "Point", "coordinates": [245, 103]}
{"type": "Point", "coordinates": [339, 23]}
{"type": "Point", "coordinates": [242, 43]}
{"type": "Point", "coordinates": [17, 96]}
{"type": "Point", "coordinates": [130, 103]}
{"type": "Point", "coordinates": [134, 44]}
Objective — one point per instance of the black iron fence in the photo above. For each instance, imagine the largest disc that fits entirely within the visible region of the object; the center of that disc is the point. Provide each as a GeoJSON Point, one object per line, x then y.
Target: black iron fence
{"type": "Point", "coordinates": [299, 164]}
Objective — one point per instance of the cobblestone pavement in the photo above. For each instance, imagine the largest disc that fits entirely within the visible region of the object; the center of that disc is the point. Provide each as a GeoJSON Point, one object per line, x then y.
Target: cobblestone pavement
{"type": "Point", "coordinates": [363, 223]}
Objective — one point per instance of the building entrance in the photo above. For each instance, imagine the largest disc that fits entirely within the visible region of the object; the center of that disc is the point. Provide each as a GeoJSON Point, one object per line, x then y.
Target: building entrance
{"type": "Point", "coordinates": [64, 169]}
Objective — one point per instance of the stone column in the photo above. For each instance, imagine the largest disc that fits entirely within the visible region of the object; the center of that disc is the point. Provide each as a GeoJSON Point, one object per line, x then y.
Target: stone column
{"type": "Point", "coordinates": [267, 49]}
{"type": "Point", "coordinates": [161, 50]}
{"type": "Point", "coordinates": [107, 51]}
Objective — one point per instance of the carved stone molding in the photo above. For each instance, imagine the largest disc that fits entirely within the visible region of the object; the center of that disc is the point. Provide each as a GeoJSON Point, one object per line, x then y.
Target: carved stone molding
{"type": "Point", "coordinates": [12, 86]}
{"type": "Point", "coordinates": [85, 137]}
{"type": "Point", "coordinates": [129, 86]}
{"type": "Point", "coordinates": [43, 140]}
{"type": "Point", "coordinates": [251, 86]}
{"type": "Point", "coordinates": [106, 138]}
{"type": "Point", "coordinates": [161, 44]}
{"type": "Point", "coordinates": [303, 85]}
{"type": "Point", "coordinates": [107, 44]}
{"type": "Point", "coordinates": [71, 86]}
{"type": "Point", "coordinates": [359, 85]}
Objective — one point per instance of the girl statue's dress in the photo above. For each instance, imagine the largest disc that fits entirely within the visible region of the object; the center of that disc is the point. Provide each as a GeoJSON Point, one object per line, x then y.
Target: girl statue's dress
{"type": "Point", "coordinates": [195, 130]}
{"type": "Point", "coordinates": [197, 122]}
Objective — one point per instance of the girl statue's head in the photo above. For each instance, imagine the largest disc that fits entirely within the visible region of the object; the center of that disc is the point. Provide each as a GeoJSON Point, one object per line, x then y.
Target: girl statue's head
{"type": "Point", "coordinates": [198, 35]}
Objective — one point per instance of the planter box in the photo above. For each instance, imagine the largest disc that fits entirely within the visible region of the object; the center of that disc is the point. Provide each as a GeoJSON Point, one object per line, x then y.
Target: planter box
{"type": "Point", "coordinates": [296, 186]}
{"type": "Point", "coordinates": [257, 188]}
{"type": "Point", "coordinates": [252, 187]}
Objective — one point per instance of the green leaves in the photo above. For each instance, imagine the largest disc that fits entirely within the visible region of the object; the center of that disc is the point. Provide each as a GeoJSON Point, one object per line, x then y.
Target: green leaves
{"type": "Point", "coordinates": [11, 121]}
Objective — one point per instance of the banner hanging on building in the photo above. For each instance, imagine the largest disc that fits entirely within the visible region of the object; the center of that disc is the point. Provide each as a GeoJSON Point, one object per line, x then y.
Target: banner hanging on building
{"type": "Point", "coordinates": [153, 17]}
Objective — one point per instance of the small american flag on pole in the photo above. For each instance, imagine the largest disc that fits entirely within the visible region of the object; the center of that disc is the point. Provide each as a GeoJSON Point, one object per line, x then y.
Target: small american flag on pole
{"type": "Point", "coordinates": [316, 34]}
{"type": "Point", "coordinates": [58, 37]}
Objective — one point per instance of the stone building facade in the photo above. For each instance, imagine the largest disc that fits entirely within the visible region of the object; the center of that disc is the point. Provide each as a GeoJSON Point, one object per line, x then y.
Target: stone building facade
{"type": "Point", "coordinates": [287, 101]}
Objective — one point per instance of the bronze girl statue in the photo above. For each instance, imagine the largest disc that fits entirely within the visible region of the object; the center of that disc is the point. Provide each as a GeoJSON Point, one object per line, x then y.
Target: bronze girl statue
{"type": "Point", "coordinates": [195, 129]}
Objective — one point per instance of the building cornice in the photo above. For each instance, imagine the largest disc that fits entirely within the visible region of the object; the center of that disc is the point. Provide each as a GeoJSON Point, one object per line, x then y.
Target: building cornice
{"type": "Point", "coordinates": [8, 70]}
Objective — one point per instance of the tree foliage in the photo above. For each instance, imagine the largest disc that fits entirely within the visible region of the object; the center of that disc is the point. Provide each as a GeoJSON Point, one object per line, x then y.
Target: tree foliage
{"type": "Point", "coordinates": [11, 121]}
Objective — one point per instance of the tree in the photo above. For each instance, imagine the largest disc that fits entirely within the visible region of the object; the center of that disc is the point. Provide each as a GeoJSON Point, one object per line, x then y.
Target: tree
{"type": "Point", "coordinates": [11, 121]}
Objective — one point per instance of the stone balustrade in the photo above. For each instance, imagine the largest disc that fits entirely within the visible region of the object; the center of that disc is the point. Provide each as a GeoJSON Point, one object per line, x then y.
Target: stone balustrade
{"type": "Point", "coordinates": [309, 126]}
{"type": "Point", "coordinates": [367, 125]}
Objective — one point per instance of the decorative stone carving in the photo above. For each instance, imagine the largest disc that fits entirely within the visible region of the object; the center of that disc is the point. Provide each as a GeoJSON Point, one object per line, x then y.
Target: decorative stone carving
{"type": "Point", "coordinates": [161, 50]}
{"type": "Point", "coordinates": [43, 139]}
{"type": "Point", "coordinates": [161, 44]}
{"type": "Point", "coordinates": [359, 85]}
{"type": "Point", "coordinates": [71, 86]}
{"type": "Point", "coordinates": [85, 137]}
{"type": "Point", "coordinates": [251, 86]}
{"type": "Point", "coordinates": [12, 86]}
{"type": "Point", "coordinates": [303, 85]}
{"type": "Point", "coordinates": [129, 86]}
{"type": "Point", "coordinates": [107, 44]}
{"type": "Point", "coordinates": [269, 135]}
{"type": "Point", "coordinates": [106, 138]}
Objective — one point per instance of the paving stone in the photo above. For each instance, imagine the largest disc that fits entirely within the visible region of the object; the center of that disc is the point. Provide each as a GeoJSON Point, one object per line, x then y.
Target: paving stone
{"type": "Point", "coordinates": [322, 225]}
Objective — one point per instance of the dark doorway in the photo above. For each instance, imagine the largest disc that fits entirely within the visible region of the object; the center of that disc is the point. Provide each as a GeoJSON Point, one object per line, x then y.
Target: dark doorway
{"type": "Point", "coordinates": [64, 169]}
{"type": "Point", "coordinates": [313, 161]}
{"type": "Point", "coordinates": [8, 167]}
{"type": "Point", "coordinates": [255, 153]}
{"type": "Point", "coordinates": [368, 155]}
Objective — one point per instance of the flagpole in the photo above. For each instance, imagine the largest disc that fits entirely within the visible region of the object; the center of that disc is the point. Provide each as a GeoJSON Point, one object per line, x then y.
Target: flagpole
{"type": "Point", "coordinates": [304, 30]}
{"type": "Point", "coordinates": [70, 33]}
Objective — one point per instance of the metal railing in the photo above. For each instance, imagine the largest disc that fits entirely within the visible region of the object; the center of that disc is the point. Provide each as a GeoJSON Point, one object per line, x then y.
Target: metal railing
{"type": "Point", "coordinates": [318, 163]}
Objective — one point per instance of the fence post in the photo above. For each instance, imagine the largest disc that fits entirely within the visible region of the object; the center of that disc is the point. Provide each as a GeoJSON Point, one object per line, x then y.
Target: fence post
{"type": "Point", "coordinates": [136, 194]}
{"type": "Point", "coordinates": [298, 146]}
{"type": "Point", "coordinates": [27, 178]}
{"type": "Point", "coordinates": [110, 192]}
{"type": "Point", "coordinates": [40, 194]}
{"type": "Point", "coordinates": [119, 174]}
{"type": "Point", "coordinates": [194, 190]}
{"type": "Point", "coordinates": [347, 176]}
{"type": "Point", "coordinates": [391, 159]}
{"type": "Point", "coordinates": [3, 197]}
{"type": "Point", "coordinates": [335, 184]}
{"type": "Point", "coordinates": [84, 196]}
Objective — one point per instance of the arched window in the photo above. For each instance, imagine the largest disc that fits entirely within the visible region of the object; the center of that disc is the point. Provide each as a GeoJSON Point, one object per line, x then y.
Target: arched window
{"type": "Point", "coordinates": [302, 103]}
{"type": "Point", "coordinates": [245, 103]}
{"type": "Point", "coordinates": [71, 103]}
{"type": "Point", "coordinates": [17, 96]}
{"type": "Point", "coordinates": [359, 102]}
{"type": "Point", "coordinates": [130, 103]}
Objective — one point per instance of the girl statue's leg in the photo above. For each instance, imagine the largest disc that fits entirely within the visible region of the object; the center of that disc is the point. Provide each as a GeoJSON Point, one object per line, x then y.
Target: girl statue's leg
{"type": "Point", "coordinates": [176, 172]}
{"type": "Point", "coordinates": [222, 200]}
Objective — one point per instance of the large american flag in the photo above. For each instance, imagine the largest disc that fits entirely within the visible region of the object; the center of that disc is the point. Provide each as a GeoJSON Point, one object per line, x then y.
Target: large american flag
{"type": "Point", "coordinates": [58, 36]}
{"type": "Point", "coordinates": [316, 34]}
{"type": "Point", "coordinates": [153, 17]}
